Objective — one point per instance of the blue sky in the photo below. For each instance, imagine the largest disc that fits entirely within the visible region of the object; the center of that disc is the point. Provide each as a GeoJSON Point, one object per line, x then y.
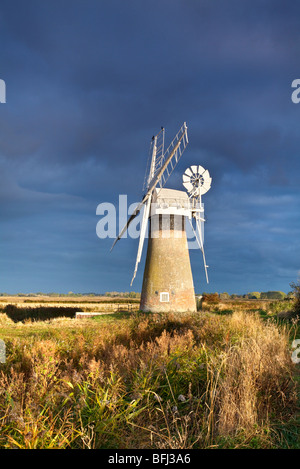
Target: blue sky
{"type": "Point", "coordinates": [88, 84]}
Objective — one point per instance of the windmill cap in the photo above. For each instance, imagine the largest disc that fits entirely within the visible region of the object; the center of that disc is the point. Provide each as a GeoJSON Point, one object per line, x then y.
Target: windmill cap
{"type": "Point", "coordinates": [169, 195]}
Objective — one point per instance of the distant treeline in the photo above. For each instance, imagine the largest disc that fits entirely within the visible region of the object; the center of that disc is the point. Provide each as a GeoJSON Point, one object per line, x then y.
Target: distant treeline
{"type": "Point", "coordinates": [113, 294]}
{"type": "Point", "coordinates": [269, 295]}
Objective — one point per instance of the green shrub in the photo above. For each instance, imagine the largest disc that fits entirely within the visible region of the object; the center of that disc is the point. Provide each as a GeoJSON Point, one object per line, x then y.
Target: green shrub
{"type": "Point", "coordinates": [211, 298]}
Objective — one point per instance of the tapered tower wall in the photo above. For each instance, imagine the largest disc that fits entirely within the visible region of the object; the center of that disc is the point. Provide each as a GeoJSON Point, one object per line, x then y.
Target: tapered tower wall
{"type": "Point", "coordinates": [168, 282]}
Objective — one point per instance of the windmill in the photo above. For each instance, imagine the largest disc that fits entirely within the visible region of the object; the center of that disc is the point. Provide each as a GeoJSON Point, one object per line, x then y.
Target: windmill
{"type": "Point", "coordinates": [168, 282]}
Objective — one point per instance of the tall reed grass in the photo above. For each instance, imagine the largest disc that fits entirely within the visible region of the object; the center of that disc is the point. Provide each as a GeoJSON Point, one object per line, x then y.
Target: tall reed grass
{"type": "Point", "coordinates": [163, 381]}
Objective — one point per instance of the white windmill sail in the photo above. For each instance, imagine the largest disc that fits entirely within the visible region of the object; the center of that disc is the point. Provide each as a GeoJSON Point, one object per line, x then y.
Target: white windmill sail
{"type": "Point", "coordinates": [162, 165]}
{"type": "Point", "coordinates": [198, 233]}
{"type": "Point", "coordinates": [170, 158]}
{"type": "Point", "coordinates": [197, 182]}
{"type": "Point", "coordinates": [156, 149]}
{"type": "Point", "coordinates": [156, 153]}
{"type": "Point", "coordinates": [142, 236]}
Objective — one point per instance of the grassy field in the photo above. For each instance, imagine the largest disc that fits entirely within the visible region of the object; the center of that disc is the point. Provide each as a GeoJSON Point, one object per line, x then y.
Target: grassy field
{"type": "Point", "coordinates": [219, 378]}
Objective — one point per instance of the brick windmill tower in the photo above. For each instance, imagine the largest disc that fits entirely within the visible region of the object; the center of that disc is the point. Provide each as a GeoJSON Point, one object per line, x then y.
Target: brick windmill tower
{"type": "Point", "coordinates": [168, 281]}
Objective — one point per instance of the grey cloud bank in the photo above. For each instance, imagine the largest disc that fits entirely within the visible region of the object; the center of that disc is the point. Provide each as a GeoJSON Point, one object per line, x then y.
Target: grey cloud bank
{"type": "Point", "coordinates": [91, 82]}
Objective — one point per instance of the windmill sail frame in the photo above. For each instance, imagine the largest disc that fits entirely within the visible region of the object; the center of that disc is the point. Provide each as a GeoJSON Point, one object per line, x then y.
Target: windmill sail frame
{"type": "Point", "coordinates": [173, 151]}
{"type": "Point", "coordinates": [196, 181]}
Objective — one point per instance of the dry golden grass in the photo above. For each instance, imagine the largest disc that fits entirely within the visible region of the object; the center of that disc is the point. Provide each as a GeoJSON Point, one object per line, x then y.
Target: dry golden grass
{"type": "Point", "coordinates": [164, 381]}
{"type": "Point", "coordinates": [258, 372]}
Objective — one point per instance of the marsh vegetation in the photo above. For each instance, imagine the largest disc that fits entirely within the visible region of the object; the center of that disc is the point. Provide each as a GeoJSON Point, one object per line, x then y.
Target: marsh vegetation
{"type": "Point", "coordinates": [219, 378]}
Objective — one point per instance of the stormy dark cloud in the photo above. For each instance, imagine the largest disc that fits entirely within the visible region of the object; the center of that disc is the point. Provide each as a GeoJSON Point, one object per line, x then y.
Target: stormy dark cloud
{"type": "Point", "coordinates": [89, 83]}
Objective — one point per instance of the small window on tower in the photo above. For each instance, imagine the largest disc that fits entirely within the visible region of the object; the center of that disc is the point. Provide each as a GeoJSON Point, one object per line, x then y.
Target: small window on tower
{"type": "Point", "coordinates": [164, 297]}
